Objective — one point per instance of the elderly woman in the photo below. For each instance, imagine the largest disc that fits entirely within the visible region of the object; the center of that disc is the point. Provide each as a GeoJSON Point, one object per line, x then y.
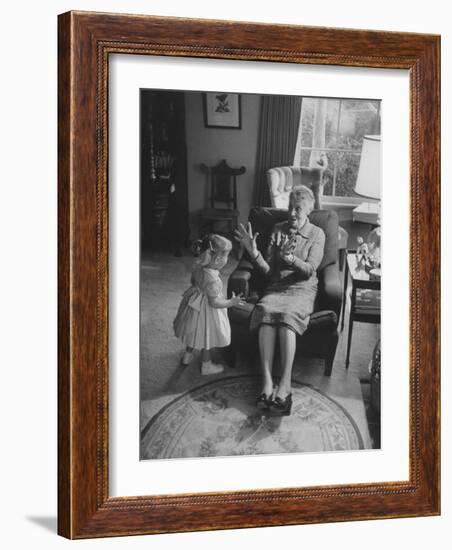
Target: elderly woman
{"type": "Point", "coordinates": [290, 266]}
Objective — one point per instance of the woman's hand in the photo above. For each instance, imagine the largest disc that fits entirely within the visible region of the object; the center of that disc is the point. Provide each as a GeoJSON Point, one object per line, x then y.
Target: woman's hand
{"type": "Point", "coordinates": [247, 239]}
{"type": "Point", "coordinates": [286, 249]}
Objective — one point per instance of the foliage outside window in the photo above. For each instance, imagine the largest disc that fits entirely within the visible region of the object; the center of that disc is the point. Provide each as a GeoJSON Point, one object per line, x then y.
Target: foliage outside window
{"type": "Point", "coordinates": [333, 130]}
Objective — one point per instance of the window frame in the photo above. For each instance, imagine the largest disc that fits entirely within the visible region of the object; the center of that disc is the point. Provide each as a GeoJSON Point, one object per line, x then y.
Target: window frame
{"type": "Point", "coordinates": [333, 199]}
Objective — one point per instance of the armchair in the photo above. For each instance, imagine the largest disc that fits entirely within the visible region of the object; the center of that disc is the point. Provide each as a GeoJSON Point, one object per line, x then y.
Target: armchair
{"type": "Point", "coordinates": [281, 179]}
{"type": "Point", "coordinates": [321, 337]}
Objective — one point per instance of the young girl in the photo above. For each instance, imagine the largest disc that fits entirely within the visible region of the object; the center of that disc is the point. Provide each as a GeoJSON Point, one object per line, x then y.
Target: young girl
{"type": "Point", "coordinates": [202, 321]}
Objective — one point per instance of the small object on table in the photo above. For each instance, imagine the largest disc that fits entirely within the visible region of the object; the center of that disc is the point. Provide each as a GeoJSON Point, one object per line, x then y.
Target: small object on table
{"type": "Point", "coordinates": [362, 255]}
{"type": "Point", "coordinates": [368, 254]}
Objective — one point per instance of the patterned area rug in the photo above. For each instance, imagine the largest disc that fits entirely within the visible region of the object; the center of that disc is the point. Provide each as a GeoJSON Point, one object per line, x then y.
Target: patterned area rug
{"type": "Point", "coordinates": [220, 419]}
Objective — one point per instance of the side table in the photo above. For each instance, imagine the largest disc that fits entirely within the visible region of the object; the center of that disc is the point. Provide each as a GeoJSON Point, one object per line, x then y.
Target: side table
{"type": "Point", "coordinates": [365, 299]}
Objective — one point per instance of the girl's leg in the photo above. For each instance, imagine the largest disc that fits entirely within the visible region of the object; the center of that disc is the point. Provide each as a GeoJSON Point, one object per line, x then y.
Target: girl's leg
{"type": "Point", "coordinates": [205, 355]}
{"type": "Point", "coordinates": [287, 346]}
{"type": "Point", "coordinates": [267, 341]}
{"type": "Point", "coordinates": [187, 356]}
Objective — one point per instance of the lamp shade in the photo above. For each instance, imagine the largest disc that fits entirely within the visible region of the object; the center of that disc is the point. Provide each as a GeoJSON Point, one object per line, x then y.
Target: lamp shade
{"type": "Point", "coordinates": [368, 183]}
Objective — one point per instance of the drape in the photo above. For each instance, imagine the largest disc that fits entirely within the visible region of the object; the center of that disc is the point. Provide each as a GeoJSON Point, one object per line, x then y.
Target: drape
{"type": "Point", "coordinates": [277, 139]}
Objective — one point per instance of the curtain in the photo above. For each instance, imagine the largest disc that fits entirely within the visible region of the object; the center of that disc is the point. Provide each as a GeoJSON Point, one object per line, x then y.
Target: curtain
{"type": "Point", "coordinates": [277, 139]}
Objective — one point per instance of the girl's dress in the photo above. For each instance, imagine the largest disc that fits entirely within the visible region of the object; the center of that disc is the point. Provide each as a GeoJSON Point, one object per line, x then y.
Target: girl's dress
{"type": "Point", "coordinates": [197, 324]}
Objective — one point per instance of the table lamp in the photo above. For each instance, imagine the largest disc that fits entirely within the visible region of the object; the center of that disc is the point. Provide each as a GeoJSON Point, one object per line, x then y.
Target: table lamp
{"type": "Point", "coordinates": [368, 183]}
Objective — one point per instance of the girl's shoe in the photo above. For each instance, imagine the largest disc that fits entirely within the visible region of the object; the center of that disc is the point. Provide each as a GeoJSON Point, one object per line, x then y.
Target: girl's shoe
{"type": "Point", "coordinates": [207, 367]}
{"type": "Point", "coordinates": [280, 406]}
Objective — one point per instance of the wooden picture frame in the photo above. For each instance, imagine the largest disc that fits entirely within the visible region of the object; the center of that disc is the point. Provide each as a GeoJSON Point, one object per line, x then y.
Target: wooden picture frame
{"type": "Point", "coordinates": [230, 119]}
{"type": "Point", "coordinates": [86, 40]}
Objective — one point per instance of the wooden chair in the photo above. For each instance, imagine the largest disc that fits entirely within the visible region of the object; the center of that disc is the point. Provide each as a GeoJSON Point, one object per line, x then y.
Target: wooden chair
{"type": "Point", "coordinates": [222, 215]}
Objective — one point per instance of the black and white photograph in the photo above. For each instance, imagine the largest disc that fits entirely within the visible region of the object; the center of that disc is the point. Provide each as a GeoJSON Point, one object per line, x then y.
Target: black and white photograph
{"type": "Point", "coordinates": [259, 274]}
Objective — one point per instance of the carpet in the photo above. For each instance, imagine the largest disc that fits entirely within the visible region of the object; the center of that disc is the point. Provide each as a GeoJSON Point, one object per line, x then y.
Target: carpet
{"type": "Point", "coordinates": [219, 418]}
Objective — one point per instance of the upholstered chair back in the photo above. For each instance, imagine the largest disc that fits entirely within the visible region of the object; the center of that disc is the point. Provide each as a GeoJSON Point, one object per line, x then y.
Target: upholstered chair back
{"type": "Point", "coordinates": [282, 178]}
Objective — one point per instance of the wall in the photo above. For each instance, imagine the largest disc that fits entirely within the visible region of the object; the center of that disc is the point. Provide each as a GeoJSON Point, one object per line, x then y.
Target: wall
{"type": "Point", "coordinates": [28, 319]}
{"type": "Point", "coordinates": [210, 145]}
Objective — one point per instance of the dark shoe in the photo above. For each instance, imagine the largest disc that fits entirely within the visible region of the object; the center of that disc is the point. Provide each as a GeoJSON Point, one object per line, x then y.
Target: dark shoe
{"type": "Point", "coordinates": [280, 406]}
{"type": "Point", "coordinates": [263, 402]}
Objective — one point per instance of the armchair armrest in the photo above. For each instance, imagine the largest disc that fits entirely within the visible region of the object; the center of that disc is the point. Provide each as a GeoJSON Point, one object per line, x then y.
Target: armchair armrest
{"type": "Point", "coordinates": [239, 282]}
{"type": "Point", "coordinates": [330, 290]}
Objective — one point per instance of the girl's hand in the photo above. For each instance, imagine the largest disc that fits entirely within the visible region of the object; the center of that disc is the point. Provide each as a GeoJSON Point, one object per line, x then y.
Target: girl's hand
{"type": "Point", "coordinates": [236, 300]}
{"type": "Point", "coordinates": [247, 239]}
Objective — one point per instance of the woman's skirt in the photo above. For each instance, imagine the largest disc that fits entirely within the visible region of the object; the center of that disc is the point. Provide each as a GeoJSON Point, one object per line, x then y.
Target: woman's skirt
{"type": "Point", "coordinates": [286, 303]}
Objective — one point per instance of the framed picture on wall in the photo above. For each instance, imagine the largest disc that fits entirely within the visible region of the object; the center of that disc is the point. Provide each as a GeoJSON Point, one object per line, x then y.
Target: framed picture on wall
{"type": "Point", "coordinates": [142, 444]}
{"type": "Point", "coordinates": [222, 110]}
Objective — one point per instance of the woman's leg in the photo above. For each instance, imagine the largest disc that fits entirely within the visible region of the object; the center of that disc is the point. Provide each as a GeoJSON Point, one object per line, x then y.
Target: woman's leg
{"type": "Point", "coordinates": [205, 355]}
{"type": "Point", "coordinates": [287, 346]}
{"type": "Point", "coordinates": [267, 341]}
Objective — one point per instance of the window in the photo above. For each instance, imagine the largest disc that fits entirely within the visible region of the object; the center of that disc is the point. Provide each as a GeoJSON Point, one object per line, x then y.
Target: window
{"type": "Point", "coordinates": [332, 130]}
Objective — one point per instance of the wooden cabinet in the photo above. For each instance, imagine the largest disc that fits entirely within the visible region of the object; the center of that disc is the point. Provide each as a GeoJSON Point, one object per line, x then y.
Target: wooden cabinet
{"type": "Point", "coordinates": [164, 194]}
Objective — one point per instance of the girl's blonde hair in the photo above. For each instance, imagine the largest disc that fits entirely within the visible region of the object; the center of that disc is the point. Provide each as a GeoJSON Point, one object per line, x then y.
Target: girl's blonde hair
{"type": "Point", "coordinates": [210, 245]}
